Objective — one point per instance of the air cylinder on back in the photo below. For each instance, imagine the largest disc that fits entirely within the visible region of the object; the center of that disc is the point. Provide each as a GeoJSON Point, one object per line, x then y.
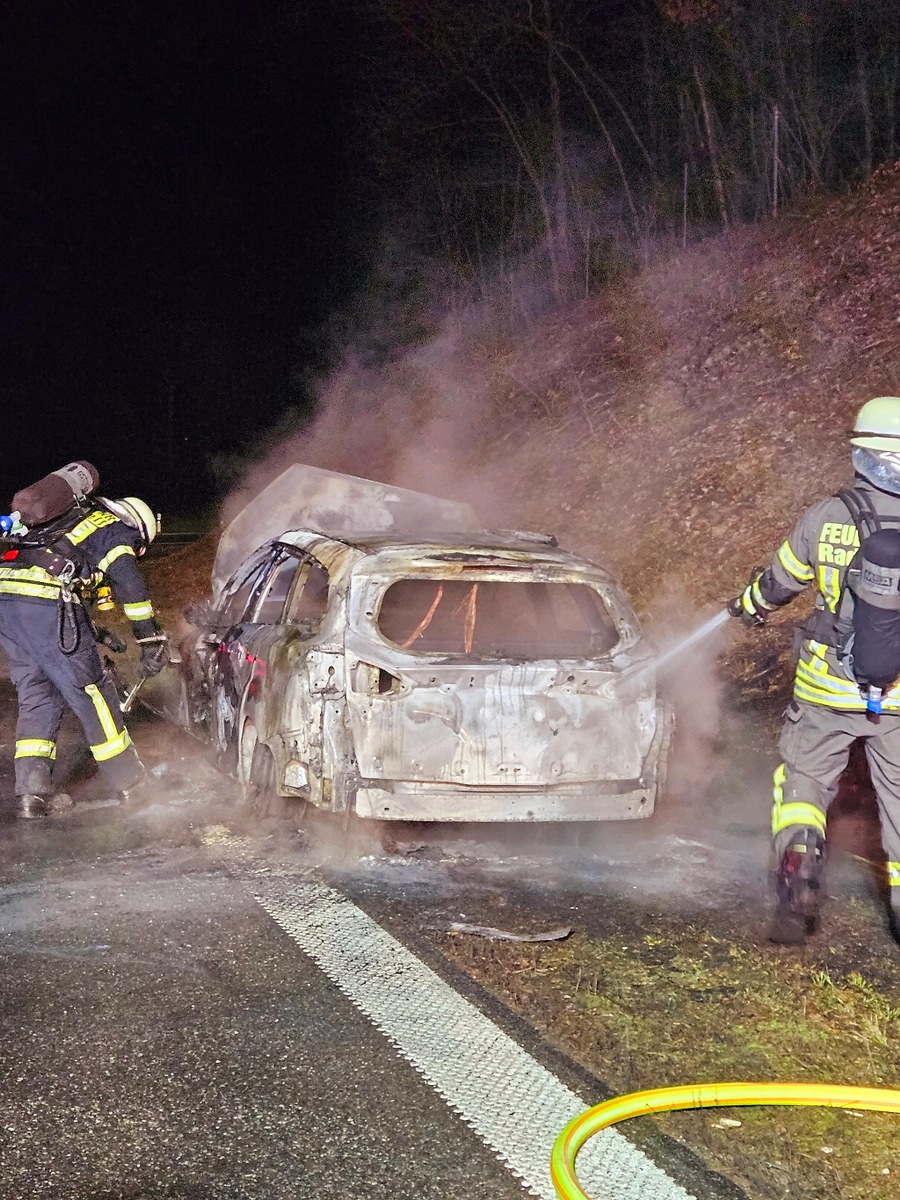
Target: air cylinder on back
{"type": "Point", "coordinates": [876, 612]}
{"type": "Point", "coordinates": [56, 493]}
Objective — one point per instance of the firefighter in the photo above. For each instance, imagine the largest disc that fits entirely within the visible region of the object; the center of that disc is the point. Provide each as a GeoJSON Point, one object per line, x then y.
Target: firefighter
{"type": "Point", "coordinates": [50, 643]}
{"type": "Point", "coordinates": [848, 661]}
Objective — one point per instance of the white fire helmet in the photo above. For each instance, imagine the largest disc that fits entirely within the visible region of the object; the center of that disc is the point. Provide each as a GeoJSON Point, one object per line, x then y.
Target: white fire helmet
{"type": "Point", "coordinates": [138, 515]}
{"type": "Point", "coordinates": [876, 443]}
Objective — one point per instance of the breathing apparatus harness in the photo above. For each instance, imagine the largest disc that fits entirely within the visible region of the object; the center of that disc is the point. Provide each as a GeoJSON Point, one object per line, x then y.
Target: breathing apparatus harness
{"type": "Point", "coordinates": [864, 628]}
{"type": "Point", "coordinates": [43, 546]}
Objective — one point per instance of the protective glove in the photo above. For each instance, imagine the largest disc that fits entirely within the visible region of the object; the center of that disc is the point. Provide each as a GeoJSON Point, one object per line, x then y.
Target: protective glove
{"type": "Point", "coordinates": [154, 655]}
{"type": "Point", "coordinates": [736, 608]}
{"type": "Point", "coordinates": [747, 607]}
{"type": "Point", "coordinates": [106, 637]}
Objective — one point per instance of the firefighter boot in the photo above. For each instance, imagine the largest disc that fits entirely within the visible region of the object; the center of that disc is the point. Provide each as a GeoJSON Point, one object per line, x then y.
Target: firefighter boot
{"type": "Point", "coordinates": [799, 887]}
{"type": "Point", "coordinates": [32, 806]}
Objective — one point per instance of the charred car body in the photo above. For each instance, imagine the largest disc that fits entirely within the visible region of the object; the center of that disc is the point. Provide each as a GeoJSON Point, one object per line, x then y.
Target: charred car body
{"type": "Point", "coordinates": [373, 650]}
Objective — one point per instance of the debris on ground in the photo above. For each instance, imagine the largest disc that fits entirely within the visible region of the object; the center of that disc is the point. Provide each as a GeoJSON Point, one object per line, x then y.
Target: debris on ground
{"type": "Point", "coordinates": [486, 931]}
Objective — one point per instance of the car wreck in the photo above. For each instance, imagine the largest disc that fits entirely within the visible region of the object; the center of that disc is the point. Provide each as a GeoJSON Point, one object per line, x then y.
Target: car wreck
{"type": "Point", "coordinates": [374, 651]}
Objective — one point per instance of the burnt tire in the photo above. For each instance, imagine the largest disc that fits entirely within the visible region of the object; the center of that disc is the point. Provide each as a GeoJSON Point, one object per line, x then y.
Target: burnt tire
{"type": "Point", "coordinates": [261, 784]}
{"type": "Point", "coordinates": [262, 792]}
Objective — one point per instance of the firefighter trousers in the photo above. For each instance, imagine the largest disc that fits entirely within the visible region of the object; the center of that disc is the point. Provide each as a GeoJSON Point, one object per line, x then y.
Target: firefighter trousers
{"type": "Point", "coordinates": [815, 747]}
{"type": "Point", "coordinates": [46, 681]}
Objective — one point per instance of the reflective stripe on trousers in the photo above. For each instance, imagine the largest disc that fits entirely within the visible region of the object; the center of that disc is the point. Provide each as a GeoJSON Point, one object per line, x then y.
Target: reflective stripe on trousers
{"type": "Point", "coordinates": [35, 748]}
{"type": "Point", "coordinates": [815, 745]}
{"type": "Point", "coordinates": [47, 681]}
{"type": "Point", "coordinates": [117, 739]}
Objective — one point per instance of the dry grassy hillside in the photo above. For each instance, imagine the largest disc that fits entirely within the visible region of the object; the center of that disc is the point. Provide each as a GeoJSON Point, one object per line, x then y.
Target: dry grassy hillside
{"type": "Point", "coordinates": [690, 414]}
{"type": "Point", "coordinates": [675, 426]}
{"type": "Point", "coordinates": [679, 424]}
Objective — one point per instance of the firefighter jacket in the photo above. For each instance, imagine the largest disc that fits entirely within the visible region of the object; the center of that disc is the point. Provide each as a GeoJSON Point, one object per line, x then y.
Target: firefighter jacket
{"type": "Point", "coordinates": [97, 546]}
{"type": "Point", "coordinates": [818, 551]}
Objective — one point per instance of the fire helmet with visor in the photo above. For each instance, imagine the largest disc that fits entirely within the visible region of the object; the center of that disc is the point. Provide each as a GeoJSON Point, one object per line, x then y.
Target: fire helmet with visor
{"type": "Point", "coordinates": [137, 514]}
{"type": "Point", "coordinates": [876, 443]}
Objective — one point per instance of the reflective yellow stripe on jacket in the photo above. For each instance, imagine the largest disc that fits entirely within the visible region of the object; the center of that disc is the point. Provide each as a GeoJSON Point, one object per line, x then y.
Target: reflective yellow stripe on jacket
{"type": "Point", "coordinates": [104, 564]}
{"type": "Point", "coordinates": [816, 683]}
{"type": "Point", "coordinates": [829, 583]}
{"type": "Point", "coordinates": [29, 581]}
{"type": "Point", "coordinates": [792, 564]}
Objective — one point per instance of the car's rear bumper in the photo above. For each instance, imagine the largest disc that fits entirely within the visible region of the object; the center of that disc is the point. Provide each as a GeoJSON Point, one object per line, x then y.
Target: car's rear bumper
{"type": "Point", "coordinates": [597, 800]}
{"type": "Point", "coordinates": [444, 802]}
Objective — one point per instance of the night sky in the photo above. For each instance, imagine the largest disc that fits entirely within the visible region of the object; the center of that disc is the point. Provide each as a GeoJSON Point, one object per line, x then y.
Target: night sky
{"type": "Point", "coordinates": [179, 212]}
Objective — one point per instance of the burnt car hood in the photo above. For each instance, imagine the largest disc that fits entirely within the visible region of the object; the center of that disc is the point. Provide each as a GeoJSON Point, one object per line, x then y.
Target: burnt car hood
{"type": "Point", "coordinates": [339, 506]}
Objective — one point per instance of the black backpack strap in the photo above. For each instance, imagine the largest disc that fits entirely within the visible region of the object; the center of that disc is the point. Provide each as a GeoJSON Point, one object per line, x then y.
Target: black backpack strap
{"type": "Point", "coordinates": [860, 507]}
{"type": "Point", "coordinates": [52, 531]}
{"type": "Point", "coordinates": [43, 546]}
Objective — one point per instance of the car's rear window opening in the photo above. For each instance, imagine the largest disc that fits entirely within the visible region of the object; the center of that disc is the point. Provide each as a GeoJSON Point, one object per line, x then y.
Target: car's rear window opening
{"type": "Point", "coordinates": [497, 619]}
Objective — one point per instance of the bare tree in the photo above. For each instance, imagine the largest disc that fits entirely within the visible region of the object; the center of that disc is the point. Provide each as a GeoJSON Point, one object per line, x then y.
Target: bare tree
{"type": "Point", "coordinates": [540, 133]}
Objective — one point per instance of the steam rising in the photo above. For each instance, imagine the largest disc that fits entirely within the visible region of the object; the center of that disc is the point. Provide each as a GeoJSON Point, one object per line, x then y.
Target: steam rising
{"type": "Point", "coordinates": [691, 682]}
{"type": "Point", "coordinates": [451, 417]}
{"type": "Point", "coordinates": [423, 421]}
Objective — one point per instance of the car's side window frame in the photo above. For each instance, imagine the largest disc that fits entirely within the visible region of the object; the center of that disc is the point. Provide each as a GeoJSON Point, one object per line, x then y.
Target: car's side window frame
{"type": "Point", "coordinates": [282, 556]}
{"type": "Point", "coordinates": [312, 620]}
{"type": "Point", "coordinates": [254, 575]}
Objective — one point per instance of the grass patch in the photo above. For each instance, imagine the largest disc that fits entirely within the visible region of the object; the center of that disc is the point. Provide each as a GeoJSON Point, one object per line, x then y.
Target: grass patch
{"type": "Point", "coordinates": [683, 1004]}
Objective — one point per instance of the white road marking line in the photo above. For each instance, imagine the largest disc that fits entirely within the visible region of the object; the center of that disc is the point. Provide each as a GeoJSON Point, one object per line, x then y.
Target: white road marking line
{"type": "Point", "coordinates": [516, 1106]}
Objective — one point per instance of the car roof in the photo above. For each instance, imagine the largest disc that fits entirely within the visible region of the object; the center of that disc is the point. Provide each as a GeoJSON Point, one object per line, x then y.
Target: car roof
{"type": "Point", "coordinates": [443, 546]}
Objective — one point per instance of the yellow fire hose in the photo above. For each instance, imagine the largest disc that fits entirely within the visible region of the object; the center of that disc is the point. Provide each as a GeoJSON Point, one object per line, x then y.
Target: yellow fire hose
{"type": "Point", "coordinates": [700, 1095]}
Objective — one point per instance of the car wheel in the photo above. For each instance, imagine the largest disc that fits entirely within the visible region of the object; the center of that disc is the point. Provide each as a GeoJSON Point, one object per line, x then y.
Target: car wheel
{"type": "Point", "coordinates": [260, 786]}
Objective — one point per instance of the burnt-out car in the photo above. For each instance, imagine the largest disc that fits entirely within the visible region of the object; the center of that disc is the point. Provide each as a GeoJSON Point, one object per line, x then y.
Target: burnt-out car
{"type": "Point", "coordinates": [385, 656]}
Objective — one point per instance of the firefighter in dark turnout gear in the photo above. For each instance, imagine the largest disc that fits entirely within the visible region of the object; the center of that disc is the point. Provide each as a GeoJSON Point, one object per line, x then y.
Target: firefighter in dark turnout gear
{"type": "Point", "coordinates": [50, 644]}
{"type": "Point", "coordinates": [849, 663]}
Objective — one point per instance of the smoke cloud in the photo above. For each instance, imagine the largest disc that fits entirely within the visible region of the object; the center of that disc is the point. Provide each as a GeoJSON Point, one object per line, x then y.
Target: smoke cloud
{"type": "Point", "coordinates": [563, 429]}
{"type": "Point", "coordinates": [424, 420]}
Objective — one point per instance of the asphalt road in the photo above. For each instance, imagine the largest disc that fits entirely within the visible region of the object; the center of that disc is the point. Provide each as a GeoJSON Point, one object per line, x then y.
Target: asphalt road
{"type": "Point", "coordinates": [165, 1032]}
{"type": "Point", "coordinates": [163, 1037]}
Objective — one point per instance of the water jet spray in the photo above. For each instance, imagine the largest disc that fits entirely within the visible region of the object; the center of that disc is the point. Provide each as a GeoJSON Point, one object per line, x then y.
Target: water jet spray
{"type": "Point", "coordinates": [654, 665]}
